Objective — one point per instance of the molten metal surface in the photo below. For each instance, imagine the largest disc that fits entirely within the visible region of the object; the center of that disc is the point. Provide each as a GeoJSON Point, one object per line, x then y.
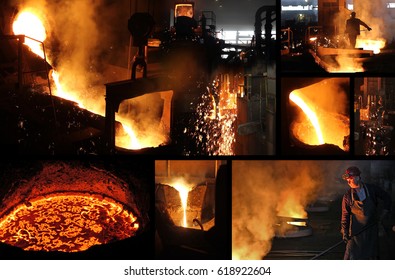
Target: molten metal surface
{"type": "Point", "coordinates": [67, 222]}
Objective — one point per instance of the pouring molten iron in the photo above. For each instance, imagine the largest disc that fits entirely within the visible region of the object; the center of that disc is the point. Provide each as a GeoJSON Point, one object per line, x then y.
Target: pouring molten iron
{"type": "Point", "coordinates": [29, 23]}
{"type": "Point", "coordinates": [320, 121]}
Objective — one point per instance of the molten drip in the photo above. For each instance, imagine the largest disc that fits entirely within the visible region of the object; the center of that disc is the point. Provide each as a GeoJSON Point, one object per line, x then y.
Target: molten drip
{"type": "Point", "coordinates": [67, 222]}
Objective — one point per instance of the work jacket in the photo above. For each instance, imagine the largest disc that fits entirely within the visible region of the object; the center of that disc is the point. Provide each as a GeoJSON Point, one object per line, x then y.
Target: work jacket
{"type": "Point", "coordinates": [359, 221]}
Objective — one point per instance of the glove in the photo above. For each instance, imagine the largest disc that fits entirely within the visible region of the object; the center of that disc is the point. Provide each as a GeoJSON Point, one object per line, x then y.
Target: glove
{"type": "Point", "coordinates": [369, 28]}
{"type": "Point", "coordinates": [346, 238]}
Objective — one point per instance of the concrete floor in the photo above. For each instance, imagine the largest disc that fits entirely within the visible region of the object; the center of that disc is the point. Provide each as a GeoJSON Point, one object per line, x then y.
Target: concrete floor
{"type": "Point", "coordinates": [326, 233]}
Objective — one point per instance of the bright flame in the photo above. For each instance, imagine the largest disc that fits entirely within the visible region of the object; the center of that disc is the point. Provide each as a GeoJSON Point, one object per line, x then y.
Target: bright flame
{"type": "Point", "coordinates": [61, 92]}
{"type": "Point", "coordinates": [370, 44]}
{"type": "Point", "coordinates": [30, 25]}
{"type": "Point", "coordinates": [129, 138]}
{"type": "Point", "coordinates": [312, 116]}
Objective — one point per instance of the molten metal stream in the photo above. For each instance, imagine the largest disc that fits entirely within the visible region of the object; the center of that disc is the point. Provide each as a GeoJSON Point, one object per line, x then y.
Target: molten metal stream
{"type": "Point", "coordinates": [183, 192]}
{"type": "Point", "coordinates": [309, 113]}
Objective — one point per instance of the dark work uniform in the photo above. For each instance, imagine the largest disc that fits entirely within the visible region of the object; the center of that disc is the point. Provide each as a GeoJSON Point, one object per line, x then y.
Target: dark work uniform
{"type": "Point", "coordinates": [357, 215]}
{"type": "Point", "coordinates": [352, 28]}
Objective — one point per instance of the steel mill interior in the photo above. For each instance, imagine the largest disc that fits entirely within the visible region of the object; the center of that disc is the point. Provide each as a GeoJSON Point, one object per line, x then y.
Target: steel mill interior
{"type": "Point", "coordinates": [196, 130]}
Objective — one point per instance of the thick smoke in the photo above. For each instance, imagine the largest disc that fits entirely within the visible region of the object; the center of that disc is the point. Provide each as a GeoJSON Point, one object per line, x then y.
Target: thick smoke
{"type": "Point", "coordinates": [373, 13]}
{"type": "Point", "coordinates": [377, 16]}
{"type": "Point", "coordinates": [88, 46]}
{"type": "Point", "coordinates": [262, 189]}
{"type": "Point", "coordinates": [79, 40]}
{"type": "Point", "coordinates": [259, 190]}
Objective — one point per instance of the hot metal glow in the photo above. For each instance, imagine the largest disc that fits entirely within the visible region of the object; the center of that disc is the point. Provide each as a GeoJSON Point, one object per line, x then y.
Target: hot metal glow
{"type": "Point", "coordinates": [183, 191]}
{"type": "Point", "coordinates": [30, 25]}
{"type": "Point", "coordinates": [214, 126]}
{"type": "Point", "coordinates": [309, 113]}
{"type": "Point", "coordinates": [370, 44]}
{"type": "Point", "coordinates": [68, 223]}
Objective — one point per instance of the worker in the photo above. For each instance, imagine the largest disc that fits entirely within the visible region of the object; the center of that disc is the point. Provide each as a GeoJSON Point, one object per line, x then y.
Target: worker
{"type": "Point", "coordinates": [359, 220]}
{"type": "Point", "coordinates": [353, 28]}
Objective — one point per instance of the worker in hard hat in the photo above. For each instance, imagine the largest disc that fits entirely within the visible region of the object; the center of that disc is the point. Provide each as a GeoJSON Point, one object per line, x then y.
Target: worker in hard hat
{"type": "Point", "coordinates": [360, 216]}
{"type": "Point", "coordinates": [353, 28]}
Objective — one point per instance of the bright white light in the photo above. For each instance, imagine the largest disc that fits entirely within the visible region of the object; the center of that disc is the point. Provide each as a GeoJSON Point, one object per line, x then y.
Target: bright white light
{"type": "Point", "coordinates": [297, 8]}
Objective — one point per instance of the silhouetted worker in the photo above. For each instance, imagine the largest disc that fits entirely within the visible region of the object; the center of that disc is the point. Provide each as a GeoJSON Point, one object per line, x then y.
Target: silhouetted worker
{"type": "Point", "coordinates": [353, 28]}
{"type": "Point", "coordinates": [360, 216]}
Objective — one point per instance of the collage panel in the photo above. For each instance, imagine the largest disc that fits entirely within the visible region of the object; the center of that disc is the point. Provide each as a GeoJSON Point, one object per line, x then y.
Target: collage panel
{"type": "Point", "coordinates": [192, 209]}
{"type": "Point", "coordinates": [162, 78]}
{"type": "Point", "coordinates": [76, 209]}
{"type": "Point", "coordinates": [313, 209]}
{"type": "Point", "coordinates": [315, 116]}
{"type": "Point", "coordinates": [374, 106]}
{"type": "Point", "coordinates": [343, 36]}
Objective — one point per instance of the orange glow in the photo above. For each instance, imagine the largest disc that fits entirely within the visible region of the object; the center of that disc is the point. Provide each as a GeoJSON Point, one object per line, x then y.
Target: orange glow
{"type": "Point", "coordinates": [218, 118]}
{"type": "Point", "coordinates": [323, 105]}
{"type": "Point", "coordinates": [346, 64]}
{"type": "Point", "coordinates": [300, 224]}
{"type": "Point", "coordinates": [311, 115]}
{"type": "Point", "coordinates": [67, 222]}
{"type": "Point", "coordinates": [183, 191]}
{"type": "Point", "coordinates": [370, 44]}
{"type": "Point", "coordinates": [30, 25]}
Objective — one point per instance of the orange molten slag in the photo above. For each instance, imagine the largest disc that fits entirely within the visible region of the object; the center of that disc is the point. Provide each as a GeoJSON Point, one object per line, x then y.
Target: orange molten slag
{"type": "Point", "coordinates": [68, 223]}
{"type": "Point", "coordinates": [317, 126]}
{"type": "Point", "coordinates": [29, 24]}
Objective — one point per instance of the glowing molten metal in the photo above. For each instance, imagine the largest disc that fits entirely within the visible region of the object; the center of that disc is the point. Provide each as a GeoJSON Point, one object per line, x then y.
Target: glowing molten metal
{"type": "Point", "coordinates": [66, 222]}
{"type": "Point", "coordinates": [183, 191]}
{"type": "Point", "coordinates": [30, 25]}
{"type": "Point", "coordinates": [311, 115]}
{"type": "Point", "coordinates": [322, 105]}
{"type": "Point", "coordinates": [370, 44]}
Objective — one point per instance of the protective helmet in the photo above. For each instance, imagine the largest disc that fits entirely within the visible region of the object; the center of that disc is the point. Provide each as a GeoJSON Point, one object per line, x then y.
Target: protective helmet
{"type": "Point", "coordinates": [351, 172]}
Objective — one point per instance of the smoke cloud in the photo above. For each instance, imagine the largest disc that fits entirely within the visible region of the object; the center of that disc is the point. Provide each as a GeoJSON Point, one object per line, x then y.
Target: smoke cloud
{"type": "Point", "coordinates": [263, 190]}
{"type": "Point", "coordinates": [88, 46]}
